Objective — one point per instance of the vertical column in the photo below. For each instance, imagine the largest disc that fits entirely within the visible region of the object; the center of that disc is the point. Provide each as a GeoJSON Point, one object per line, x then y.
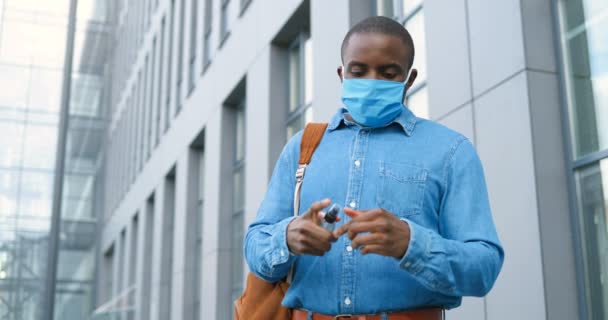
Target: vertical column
{"type": "Point", "coordinates": [157, 254]}
{"type": "Point", "coordinates": [180, 275]}
{"type": "Point", "coordinates": [257, 132]}
{"type": "Point", "coordinates": [141, 252]}
{"type": "Point", "coordinates": [213, 250]}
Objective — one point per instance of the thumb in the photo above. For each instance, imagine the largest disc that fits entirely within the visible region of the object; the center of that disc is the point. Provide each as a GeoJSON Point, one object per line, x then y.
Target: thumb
{"type": "Point", "coordinates": [314, 212]}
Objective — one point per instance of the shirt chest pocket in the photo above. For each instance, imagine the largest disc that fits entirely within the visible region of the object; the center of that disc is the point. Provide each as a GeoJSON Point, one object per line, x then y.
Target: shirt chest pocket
{"type": "Point", "coordinates": [401, 188]}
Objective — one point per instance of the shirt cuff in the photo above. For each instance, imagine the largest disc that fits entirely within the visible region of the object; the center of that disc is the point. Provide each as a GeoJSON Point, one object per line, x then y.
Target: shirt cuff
{"type": "Point", "coordinates": [279, 253]}
{"type": "Point", "coordinates": [415, 254]}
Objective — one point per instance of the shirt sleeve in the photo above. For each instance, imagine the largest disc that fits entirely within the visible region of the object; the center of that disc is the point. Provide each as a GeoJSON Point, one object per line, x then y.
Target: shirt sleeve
{"type": "Point", "coordinates": [265, 246]}
{"type": "Point", "coordinates": [465, 257]}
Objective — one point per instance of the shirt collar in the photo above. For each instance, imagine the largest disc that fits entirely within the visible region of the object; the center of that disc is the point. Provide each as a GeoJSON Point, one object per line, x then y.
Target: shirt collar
{"type": "Point", "coordinates": [407, 120]}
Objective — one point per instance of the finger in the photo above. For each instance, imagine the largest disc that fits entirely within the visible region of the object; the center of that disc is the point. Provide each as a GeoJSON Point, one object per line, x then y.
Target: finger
{"type": "Point", "coordinates": [369, 215]}
{"type": "Point", "coordinates": [320, 234]}
{"type": "Point", "coordinates": [373, 248]}
{"type": "Point", "coordinates": [357, 227]}
{"type": "Point", "coordinates": [341, 230]}
{"type": "Point", "coordinates": [315, 208]}
{"type": "Point", "coordinates": [352, 213]}
{"type": "Point", "coordinates": [368, 239]}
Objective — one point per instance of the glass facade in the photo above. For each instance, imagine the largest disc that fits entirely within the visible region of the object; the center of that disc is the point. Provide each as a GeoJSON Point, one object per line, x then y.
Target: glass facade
{"type": "Point", "coordinates": [33, 37]}
{"type": "Point", "coordinates": [584, 25]}
{"type": "Point", "coordinates": [32, 44]}
{"type": "Point", "coordinates": [299, 55]}
{"type": "Point", "coordinates": [74, 290]}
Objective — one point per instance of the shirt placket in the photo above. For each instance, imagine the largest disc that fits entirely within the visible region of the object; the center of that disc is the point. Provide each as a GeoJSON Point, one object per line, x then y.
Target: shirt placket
{"type": "Point", "coordinates": [353, 197]}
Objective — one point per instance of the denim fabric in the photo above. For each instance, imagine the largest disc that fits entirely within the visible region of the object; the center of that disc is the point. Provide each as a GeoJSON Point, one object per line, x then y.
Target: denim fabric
{"type": "Point", "coordinates": [424, 173]}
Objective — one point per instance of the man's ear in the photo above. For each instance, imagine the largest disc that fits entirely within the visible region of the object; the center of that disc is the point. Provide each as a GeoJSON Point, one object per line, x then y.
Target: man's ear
{"type": "Point", "coordinates": [340, 71]}
{"type": "Point", "coordinates": [411, 79]}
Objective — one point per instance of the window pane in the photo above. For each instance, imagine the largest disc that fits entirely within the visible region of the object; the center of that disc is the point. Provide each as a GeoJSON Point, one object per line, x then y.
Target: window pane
{"type": "Point", "coordinates": [11, 143]}
{"type": "Point", "coordinates": [294, 77]}
{"type": "Point", "coordinates": [240, 134]}
{"type": "Point", "coordinates": [415, 26]}
{"type": "Point", "coordinates": [385, 8]}
{"type": "Point", "coordinates": [236, 262]}
{"type": "Point", "coordinates": [39, 146]}
{"type": "Point", "coordinates": [45, 90]}
{"type": "Point", "coordinates": [308, 71]}
{"type": "Point", "coordinates": [86, 94]}
{"type": "Point", "coordinates": [419, 103]}
{"type": "Point", "coordinates": [8, 193]}
{"type": "Point", "coordinates": [592, 183]}
{"type": "Point", "coordinates": [36, 194]}
{"type": "Point", "coordinates": [14, 82]}
{"type": "Point", "coordinates": [27, 43]}
{"type": "Point", "coordinates": [587, 78]}
{"type": "Point", "coordinates": [238, 200]}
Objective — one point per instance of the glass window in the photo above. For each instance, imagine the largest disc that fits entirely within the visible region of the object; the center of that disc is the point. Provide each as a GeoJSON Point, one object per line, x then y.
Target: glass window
{"type": "Point", "coordinates": [298, 122]}
{"type": "Point", "coordinates": [225, 20]}
{"type": "Point", "coordinates": [180, 54]}
{"type": "Point", "coordinates": [586, 66]}
{"type": "Point", "coordinates": [170, 49]}
{"type": "Point", "coordinates": [295, 78]}
{"type": "Point", "coordinates": [35, 194]}
{"type": "Point", "coordinates": [384, 8]}
{"type": "Point", "coordinates": [85, 94]}
{"type": "Point", "coordinates": [193, 38]}
{"type": "Point", "coordinates": [26, 43]}
{"type": "Point", "coordinates": [158, 103]}
{"type": "Point", "coordinates": [244, 5]}
{"type": "Point", "coordinates": [9, 185]}
{"type": "Point", "coordinates": [39, 146]}
{"type": "Point", "coordinates": [14, 82]}
{"type": "Point", "coordinates": [45, 90]}
{"type": "Point", "coordinates": [584, 24]}
{"type": "Point", "coordinates": [592, 185]}
{"type": "Point", "coordinates": [238, 204]}
{"type": "Point", "coordinates": [300, 84]}
{"type": "Point", "coordinates": [11, 141]}
{"type": "Point", "coordinates": [207, 34]}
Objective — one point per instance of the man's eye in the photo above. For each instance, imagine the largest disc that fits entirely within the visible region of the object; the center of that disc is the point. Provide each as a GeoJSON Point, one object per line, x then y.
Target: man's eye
{"type": "Point", "coordinates": [389, 75]}
{"type": "Point", "coordinates": [357, 73]}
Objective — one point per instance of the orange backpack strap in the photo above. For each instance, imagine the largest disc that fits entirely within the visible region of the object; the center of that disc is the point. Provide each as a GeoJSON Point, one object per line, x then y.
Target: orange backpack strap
{"type": "Point", "coordinates": [313, 133]}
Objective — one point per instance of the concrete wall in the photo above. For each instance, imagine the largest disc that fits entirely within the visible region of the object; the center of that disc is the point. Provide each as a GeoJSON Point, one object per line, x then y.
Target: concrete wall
{"type": "Point", "coordinates": [493, 76]}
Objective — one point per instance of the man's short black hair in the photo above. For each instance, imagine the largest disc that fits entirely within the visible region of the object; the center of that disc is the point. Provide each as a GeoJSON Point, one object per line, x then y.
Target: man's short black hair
{"type": "Point", "coordinates": [383, 25]}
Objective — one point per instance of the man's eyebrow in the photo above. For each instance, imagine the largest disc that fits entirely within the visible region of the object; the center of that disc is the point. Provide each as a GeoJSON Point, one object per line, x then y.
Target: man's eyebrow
{"type": "Point", "coordinates": [356, 64]}
{"type": "Point", "coordinates": [391, 65]}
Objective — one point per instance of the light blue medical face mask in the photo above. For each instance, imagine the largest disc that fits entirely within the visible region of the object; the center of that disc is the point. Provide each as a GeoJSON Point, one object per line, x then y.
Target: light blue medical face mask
{"type": "Point", "coordinates": [371, 102]}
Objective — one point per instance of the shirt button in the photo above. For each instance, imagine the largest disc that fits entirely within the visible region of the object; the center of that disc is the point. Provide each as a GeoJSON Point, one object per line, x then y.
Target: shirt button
{"type": "Point", "coordinates": [349, 248]}
{"type": "Point", "coordinates": [352, 204]}
{"type": "Point", "coordinates": [347, 301]}
{"type": "Point", "coordinates": [407, 264]}
{"type": "Point", "coordinates": [357, 163]}
{"type": "Point", "coordinates": [282, 253]}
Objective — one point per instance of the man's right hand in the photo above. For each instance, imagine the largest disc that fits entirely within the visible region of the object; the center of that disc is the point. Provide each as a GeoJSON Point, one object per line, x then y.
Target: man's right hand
{"type": "Point", "coordinates": [305, 234]}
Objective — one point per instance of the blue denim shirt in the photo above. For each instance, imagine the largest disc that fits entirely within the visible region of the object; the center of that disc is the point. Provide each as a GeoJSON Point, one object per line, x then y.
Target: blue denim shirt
{"type": "Point", "coordinates": [424, 173]}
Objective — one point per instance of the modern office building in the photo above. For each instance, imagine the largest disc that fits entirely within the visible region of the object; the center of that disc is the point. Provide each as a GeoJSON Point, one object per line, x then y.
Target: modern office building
{"type": "Point", "coordinates": [204, 94]}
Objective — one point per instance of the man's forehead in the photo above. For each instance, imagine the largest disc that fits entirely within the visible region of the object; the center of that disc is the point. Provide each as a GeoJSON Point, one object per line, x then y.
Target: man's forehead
{"type": "Point", "coordinates": [362, 47]}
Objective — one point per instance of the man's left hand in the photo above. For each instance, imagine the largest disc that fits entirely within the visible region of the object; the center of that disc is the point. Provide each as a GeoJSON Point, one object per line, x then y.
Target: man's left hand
{"type": "Point", "coordinates": [388, 236]}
